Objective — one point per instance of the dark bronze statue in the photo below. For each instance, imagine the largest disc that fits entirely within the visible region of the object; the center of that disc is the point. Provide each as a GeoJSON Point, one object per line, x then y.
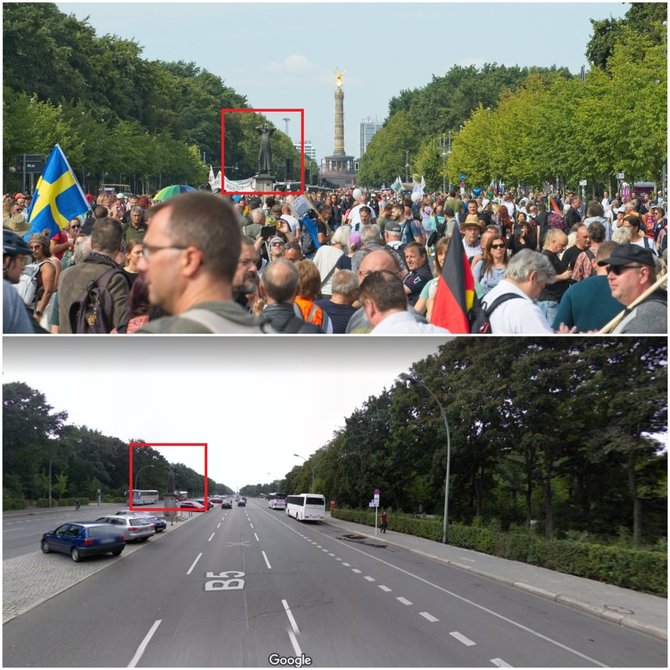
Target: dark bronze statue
{"type": "Point", "coordinates": [265, 153]}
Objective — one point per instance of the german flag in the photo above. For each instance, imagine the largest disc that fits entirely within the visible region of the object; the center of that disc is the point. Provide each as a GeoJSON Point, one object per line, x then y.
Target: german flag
{"type": "Point", "coordinates": [455, 289]}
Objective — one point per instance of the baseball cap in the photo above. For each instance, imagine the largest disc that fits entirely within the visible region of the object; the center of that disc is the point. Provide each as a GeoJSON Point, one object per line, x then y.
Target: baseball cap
{"type": "Point", "coordinates": [629, 253]}
{"type": "Point", "coordinates": [392, 227]}
{"type": "Point", "coordinates": [276, 240]}
{"type": "Point", "coordinates": [119, 195]}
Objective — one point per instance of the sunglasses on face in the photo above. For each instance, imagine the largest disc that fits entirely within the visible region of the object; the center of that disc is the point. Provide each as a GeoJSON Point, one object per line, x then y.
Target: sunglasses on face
{"type": "Point", "coordinates": [618, 269]}
{"type": "Point", "coordinates": [497, 246]}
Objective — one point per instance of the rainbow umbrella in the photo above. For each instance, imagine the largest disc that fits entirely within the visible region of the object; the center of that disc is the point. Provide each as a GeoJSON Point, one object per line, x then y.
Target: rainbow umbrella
{"type": "Point", "coordinates": [172, 191]}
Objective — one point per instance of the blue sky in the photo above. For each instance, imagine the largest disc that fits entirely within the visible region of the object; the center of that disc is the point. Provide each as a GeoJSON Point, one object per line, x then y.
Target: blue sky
{"type": "Point", "coordinates": [283, 55]}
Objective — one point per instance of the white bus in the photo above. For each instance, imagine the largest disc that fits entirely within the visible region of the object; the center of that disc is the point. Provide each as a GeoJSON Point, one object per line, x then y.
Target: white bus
{"type": "Point", "coordinates": [144, 496]}
{"type": "Point", "coordinates": [277, 500]}
{"type": "Point", "coordinates": [306, 506]}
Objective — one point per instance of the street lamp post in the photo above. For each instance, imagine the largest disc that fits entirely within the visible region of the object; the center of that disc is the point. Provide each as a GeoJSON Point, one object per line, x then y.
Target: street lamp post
{"type": "Point", "coordinates": [137, 474]}
{"type": "Point", "coordinates": [406, 166]}
{"type": "Point", "coordinates": [304, 459]}
{"type": "Point", "coordinates": [444, 164]}
{"type": "Point", "coordinates": [405, 377]}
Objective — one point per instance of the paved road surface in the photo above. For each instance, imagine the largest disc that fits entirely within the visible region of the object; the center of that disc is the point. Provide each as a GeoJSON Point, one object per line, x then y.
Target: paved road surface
{"type": "Point", "coordinates": [233, 587]}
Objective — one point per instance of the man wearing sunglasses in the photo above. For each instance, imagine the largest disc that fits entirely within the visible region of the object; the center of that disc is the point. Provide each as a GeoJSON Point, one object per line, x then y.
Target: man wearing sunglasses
{"type": "Point", "coordinates": [631, 270]}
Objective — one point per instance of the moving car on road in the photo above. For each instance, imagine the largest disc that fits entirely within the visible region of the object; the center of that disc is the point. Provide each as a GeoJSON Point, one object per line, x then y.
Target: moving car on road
{"type": "Point", "coordinates": [80, 539]}
{"type": "Point", "coordinates": [191, 504]}
{"type": "Point", "coordinates": [227, 504]}
{"type": "Point", "coordinates": [241, 502]}
{"type": "Point", "coordinates": [133, 527]}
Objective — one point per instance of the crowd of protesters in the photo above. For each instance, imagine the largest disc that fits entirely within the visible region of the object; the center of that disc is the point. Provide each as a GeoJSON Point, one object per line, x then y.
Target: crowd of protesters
{"type": "Point", "coordinates": [359, 262]}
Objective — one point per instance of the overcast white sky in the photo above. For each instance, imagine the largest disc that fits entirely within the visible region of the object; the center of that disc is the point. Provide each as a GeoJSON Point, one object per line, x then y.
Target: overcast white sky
{"type": "Point", "coordinates": [255, 401]}
{"type": "Point", "coordinates": [283, 54]}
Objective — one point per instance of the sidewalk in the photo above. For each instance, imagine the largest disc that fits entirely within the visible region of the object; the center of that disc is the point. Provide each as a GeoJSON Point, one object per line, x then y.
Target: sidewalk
{"type": "Point", "coordinates": [639, 611]}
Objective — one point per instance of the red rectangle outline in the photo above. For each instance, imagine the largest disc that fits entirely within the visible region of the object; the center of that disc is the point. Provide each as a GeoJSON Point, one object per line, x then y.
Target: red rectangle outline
{"type": "Point", "coordinates": [302, 153]}
{"type": "Point", "coordinates": [163, 444]}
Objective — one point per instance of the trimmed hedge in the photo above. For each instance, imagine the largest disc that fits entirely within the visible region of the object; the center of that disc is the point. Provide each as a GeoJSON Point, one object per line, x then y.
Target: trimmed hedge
{"type": "Point", "coordinates": [63, 502]}
{"type": "Point", "coordinates": [13, 503]}
{"type": "Point", "coordinates": [637, 569]}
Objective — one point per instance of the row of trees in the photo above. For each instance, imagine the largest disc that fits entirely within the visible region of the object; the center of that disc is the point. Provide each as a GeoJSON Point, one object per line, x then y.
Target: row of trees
{"type": "Point", "coordinates": [37, 440]}
{"type": "Point", "coordinates": [534, 125]}
{"type": "Point", "coordinates": [119, 117]}
{"type": "Point", "coordinates": [561, 431]}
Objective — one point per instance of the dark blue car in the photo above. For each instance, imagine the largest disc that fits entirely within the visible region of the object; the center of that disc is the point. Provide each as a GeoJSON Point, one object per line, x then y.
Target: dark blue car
{"type": "Point", "coordinates": [83, 538]}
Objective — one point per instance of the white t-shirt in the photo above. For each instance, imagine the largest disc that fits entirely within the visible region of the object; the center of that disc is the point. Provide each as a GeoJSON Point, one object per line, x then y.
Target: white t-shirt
{"type": "Point", "coordinates": [403, 323]}
{"type": "Point", "coordinates": [355, 216]}
{"type": "Point", "coordinates": [292, 221]}
{"type": "Point", "coordinates": [516, 316]}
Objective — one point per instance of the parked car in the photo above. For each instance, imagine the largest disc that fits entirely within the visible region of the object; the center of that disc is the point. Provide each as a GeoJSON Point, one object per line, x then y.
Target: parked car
{"type": "Point", "coordinates": [216, 500]}
{"type": "Point", "coordinates": [227, 504]}
{"type": "Point", "coordinates": [80, 539]}
{"type": "Point", "coordinates": [133, 527]}
{"type": "Point", "coordinates": [191, 504]}
{"type": "Point", "coordinates": [158, 523]}
{"type": "Point", "coordinates": [210, 504]}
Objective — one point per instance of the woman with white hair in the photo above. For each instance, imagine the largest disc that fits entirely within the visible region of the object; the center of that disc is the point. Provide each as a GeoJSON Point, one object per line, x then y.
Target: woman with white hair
{"type": "Point", "coordinates": [327, 258]}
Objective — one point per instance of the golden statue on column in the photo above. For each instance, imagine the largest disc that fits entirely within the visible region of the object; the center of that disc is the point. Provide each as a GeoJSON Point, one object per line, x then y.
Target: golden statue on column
{"type": "Point", "coordinates": [338, 78]}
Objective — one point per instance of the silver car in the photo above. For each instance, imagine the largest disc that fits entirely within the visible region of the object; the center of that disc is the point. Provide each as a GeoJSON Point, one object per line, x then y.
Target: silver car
{"type": "Point", "coordinates": [133, 527]}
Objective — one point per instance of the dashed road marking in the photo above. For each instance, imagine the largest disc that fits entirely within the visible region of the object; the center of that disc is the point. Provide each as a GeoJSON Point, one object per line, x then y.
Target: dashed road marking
{"type": "Point", "coordinates": [256, 536]}
{"type": "Point", "coordinates": [266, 560]}
{"type": "Point", "coordinates": [461, 638]}
{"type": "Point", "coordinates": [294, 643]}
{"type": "Point", "coordinates": [404, 601]}
{"type": "Point", "coordinates": [369, 579]}
{"type": "Point", "coordinates": [346, 565]}
{"type": "Point", "coordinates": [500, 663]}
{"type": "Point", "coordinates": [356, 570]}
{"type": "Point", "coordinates": [429, 616]}
{"type": "Point", "coordinates": [289, 614]}
{"type": "Point", "coordinates": [385, 588]}
{"type": "Point", "coordinates": [211, 536]}
{"type": "Point", "coordinates": [143, 645]}
{"type": "Point", "coordinates": [190, 570]}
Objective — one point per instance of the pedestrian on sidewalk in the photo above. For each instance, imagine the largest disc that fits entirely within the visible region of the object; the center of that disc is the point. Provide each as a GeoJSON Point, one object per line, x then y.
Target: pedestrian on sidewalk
{"type": "Point", "coordinates": [384, 522]}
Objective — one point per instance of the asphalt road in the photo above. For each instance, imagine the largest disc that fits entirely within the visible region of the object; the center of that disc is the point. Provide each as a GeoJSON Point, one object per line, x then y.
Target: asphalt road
{"type": "Point", "coordinates": [233, 587]}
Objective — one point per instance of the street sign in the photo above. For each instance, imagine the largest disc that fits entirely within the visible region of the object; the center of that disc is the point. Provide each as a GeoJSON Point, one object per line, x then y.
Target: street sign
{"type": "Point", "coordinates": [582, 182]}
{"type": "Point", "coordinates": [462, 176]}
{"type": "Point", "coordinates": [620, 176]}
{"type": "Point", "coordinates": [33, 163]}
{"type": "Point", "coordinates": [376, 492]}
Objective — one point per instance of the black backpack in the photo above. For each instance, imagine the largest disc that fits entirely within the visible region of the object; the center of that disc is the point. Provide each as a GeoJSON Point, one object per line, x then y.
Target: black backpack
{"type": "Point", "coordinates": [479, 316]}
{"type": "Point", "coordinates": [93, 310]}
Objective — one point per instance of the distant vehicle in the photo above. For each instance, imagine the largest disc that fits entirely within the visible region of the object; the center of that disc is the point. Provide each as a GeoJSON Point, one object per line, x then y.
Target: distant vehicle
{"type": "Point", "coordinates": [277, 500]}
{"type": "Point", "coordinates": [133, 527]}
{"type": "Point", "coordinates": [114, 188]}
{"type": "Point", "coordinates": [182, 495]}
{"type": "Point", "coordinates": [80, 539]}
{"type": "Point", "coordinates": [306, 506]}
{"type": "Point", "coordinates": [209, 505]}
{"type": "Point", "coordinates": [158, 523]}
{"type": "Point", "coordinates": [227, 503]}
{"type": "Point", "coordinates": [242, 502]}
{"type": "Point", "coordinates": [217, 500]}
{"type": "Point", "coordinates": [144, 496]}
{"type": "Point", "coordinates": [191, 504]}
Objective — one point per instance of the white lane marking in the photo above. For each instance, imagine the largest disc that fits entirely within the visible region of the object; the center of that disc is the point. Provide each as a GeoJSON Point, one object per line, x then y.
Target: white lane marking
{"type": "Point", "coordinates": [256, 536]}
{"type": "Point", "coordinates": [461, 638]}
{"type": "Point", "coordinates": [266, 560]}
{"type": "Point", "coordinates": [222, 518]}
{"type": "Point", "coordinates": [370, 579]}
{"type": "Point", "coordinates": [190, 570]}
{"type": "Point", "coordinates": [325, 550]}
{"type": "Point", "coordinates": [318, 546]}
{"type": "Point", "coordinates": [211, 536]}
{"type": "Point", "coordinates": [337, 558]}
{"type": "Point", "coordinates": [145, 642]}
{"type": "Point", "coordinates": [404, 601]}
{"type": "Point", "coordinates": [385, 588]}
{"type": "Point", "coordinates": [329, 554]}
{"type": "Point", "coordinates": [346, 565]}
{"type": "Point", "coordinates": [11, 530]}
{"type": "Point", "coordinates": [535, 633]}
{"type": "Point", "coordinates": [294, 642]}
{"type": "Point", "coordinates": [429, 616]}
{"type": "Point", "coordinates": [218, 525]}
{"type": "Point", "coordinates": [294, 625]}
{"type": "Point", "coordinates": [251, 524]}
{"type": "Point", "coordinates": [500, 663]}
{"type": "Point", "coordinates": [356, 570]}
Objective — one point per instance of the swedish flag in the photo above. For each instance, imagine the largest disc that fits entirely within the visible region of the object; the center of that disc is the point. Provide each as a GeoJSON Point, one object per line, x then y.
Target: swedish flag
{"type": "Point", "coordinates": [58, 197]}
